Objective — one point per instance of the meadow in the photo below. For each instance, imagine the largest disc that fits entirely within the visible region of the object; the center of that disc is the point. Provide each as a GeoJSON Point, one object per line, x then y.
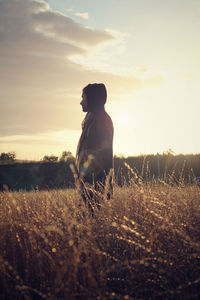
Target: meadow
{"type": "Point", "coordinates": [144, 243]}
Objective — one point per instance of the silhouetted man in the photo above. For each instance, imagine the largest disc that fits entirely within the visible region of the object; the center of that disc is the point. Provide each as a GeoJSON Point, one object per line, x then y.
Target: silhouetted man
{"type": "Point", "coordinates": [94, 157]}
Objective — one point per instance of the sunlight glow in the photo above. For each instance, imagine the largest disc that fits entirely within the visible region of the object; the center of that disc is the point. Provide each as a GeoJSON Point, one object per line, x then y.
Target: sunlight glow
{"type": "Point", "coordinates": [156, 119]}
{"type": "Point", "coordinates": [120, 115]}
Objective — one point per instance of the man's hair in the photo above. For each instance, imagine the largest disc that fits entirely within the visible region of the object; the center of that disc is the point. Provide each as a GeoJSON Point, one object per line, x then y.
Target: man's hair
{"type": "Point", "coordinates": [96, 95]}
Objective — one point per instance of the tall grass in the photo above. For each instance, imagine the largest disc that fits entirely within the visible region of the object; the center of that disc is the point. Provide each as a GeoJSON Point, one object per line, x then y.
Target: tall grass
{"type": "Point", "coordinates": [144, 243]}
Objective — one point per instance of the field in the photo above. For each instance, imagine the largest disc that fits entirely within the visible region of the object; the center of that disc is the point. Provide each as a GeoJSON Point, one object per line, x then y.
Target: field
{"type": "Point", "coordinates": [142, 244]}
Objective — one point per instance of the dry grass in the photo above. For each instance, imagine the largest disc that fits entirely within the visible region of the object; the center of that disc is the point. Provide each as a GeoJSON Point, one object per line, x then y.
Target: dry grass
{"type": "Point", "coordinates": [142, 244]}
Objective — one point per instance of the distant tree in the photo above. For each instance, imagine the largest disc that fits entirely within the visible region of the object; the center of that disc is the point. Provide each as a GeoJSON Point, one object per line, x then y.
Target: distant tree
{"type": "Point", "coordinates": [65, 156]}
{"type": "Point", "coordinates": [50, 158]}
{"type": "Point", "coordinates": [169, 152]}
{"type": "Point", "coordinates": [7, 157]}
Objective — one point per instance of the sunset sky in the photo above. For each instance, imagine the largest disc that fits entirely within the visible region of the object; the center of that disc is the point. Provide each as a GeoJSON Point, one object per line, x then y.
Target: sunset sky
{"type": "Point", "coordinates": [147, 52]}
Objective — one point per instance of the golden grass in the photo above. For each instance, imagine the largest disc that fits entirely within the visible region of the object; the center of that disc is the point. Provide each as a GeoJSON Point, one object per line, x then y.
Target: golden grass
{"type": "Point", "coordinates": [142, 244]}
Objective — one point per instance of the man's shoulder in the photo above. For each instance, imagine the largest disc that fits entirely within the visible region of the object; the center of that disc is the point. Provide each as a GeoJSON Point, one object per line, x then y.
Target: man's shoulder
{"type": "Point", "coordinates": [108, 118]}
{"type": "Point", "coordinates": [104, 121]}
{"type": "Point", "coordinates": [104, 114]}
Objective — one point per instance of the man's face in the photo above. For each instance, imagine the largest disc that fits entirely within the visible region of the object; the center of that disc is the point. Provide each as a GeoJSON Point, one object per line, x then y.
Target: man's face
{"type": "Point", "coordinates": [84, 102]}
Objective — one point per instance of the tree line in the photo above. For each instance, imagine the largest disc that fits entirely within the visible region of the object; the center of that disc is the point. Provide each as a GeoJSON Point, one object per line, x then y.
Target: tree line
{"type": "Point", "coordinates": [10, 157]}
{"type": "Point", "coordinates": [55, 172]}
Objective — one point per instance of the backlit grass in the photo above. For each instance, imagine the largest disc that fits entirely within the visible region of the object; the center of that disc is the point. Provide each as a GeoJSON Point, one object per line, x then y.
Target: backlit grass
{"type": "Point", "coordinates": [142, 244]}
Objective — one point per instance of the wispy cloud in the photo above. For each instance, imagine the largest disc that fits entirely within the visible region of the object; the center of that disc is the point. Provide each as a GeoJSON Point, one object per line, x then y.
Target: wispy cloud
{"type": "Point", "coordinates": [84, 16]}
{"type": "Point", "coordinates": [69, 9]}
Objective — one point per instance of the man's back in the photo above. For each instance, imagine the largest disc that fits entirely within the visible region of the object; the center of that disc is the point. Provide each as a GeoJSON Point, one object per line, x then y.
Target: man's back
{"type": "Point", "coordinates": [96, 145]}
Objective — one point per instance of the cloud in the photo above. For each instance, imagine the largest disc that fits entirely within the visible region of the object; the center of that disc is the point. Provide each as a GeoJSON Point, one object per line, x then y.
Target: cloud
{"type": "Point", "coordinates": [69, 9]}
{"type": "Point", "coordinates": [58, 137]}
{"type": "Point", "coordinates": [61, 27]}
{"type": "Point", "coordinates": [83, 16]}
{"type": "Point", "coordinates": [31, 26]}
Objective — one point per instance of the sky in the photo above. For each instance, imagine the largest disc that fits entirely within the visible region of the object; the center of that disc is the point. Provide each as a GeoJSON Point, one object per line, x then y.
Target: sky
{"type": "Point", "coordinates": [146, 53]}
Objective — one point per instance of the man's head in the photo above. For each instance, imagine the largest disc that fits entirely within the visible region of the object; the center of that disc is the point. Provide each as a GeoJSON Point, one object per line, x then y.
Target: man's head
{"type": "Point", "coordinates": [93, 97]}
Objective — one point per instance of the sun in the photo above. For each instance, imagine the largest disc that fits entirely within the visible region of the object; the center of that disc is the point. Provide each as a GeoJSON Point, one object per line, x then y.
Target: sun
{"type": "Point", "coordinates": [121, 116]}
{"type": "Point", "coordinates": [123, 121]}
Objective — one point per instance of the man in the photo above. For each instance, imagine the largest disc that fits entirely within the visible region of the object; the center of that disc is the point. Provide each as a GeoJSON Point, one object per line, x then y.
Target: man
{"type": "Point", "coordinates": [94, 157]}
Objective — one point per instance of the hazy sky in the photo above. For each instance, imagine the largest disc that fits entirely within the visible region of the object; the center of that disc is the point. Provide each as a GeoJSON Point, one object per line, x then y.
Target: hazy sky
{"type": "Point", "coordinates": [146, 52]}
